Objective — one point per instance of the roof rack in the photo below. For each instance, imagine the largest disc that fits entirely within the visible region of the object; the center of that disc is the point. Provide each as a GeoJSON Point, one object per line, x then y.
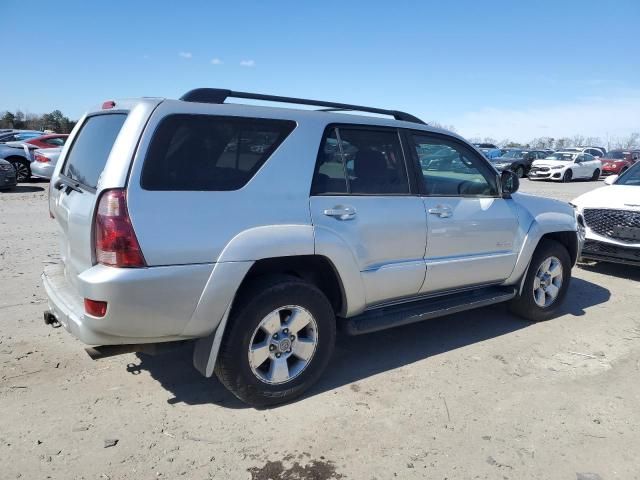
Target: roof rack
{"type": "Point", "coordinates": [219, 95]}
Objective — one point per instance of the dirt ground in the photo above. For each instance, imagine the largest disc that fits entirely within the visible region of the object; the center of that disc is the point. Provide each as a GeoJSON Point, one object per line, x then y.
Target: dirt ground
{"type": "Point", "coordinates": [478, 395]}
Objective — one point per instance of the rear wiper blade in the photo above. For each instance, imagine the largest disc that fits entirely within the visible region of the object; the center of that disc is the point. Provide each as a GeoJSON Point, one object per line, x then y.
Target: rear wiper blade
{"type": "Point", "coordinates": [75, 186]}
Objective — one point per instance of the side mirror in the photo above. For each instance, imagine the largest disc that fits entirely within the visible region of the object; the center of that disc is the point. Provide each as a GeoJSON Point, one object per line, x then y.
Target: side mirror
{"type": "Point", "coordinates": [510, 183]}
{"type": "Point", "coordinates": [611, 180]}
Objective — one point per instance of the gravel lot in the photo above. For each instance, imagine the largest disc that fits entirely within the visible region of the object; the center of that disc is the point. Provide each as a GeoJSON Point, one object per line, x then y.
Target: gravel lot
{"type": "Point", "coordinates": [480, 395]}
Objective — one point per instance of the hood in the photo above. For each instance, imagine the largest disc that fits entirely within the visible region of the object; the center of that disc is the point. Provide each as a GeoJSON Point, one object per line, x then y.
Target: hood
{"type": "Point", "coordinates": [551, 163]}
{"type": "Point", "coordinates": [613, 196]}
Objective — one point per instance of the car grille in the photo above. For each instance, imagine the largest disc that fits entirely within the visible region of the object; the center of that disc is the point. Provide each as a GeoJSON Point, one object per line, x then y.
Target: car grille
{"type": "Point", "coordinates": [605, 222]}
{"type": "Point", "coordinates": [601, 250]}
{"type": "Point", "coordinates": [540, 169]}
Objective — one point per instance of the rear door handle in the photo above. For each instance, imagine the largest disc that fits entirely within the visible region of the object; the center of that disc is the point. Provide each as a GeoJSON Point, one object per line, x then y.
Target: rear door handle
{"type": "Point", "coordinates": [341, 212]}
{"type": "Point", "coordinates": [442, 211]}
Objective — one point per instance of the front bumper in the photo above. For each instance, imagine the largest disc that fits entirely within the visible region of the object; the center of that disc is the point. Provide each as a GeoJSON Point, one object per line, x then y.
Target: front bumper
{"type": "Point", "coordinates": [145, 305]}
{"type": "Point", "coordinates": [8, 179]}
{"type": "Point", "coordinates": [545, 175]}
{"type": "Point", "coordinates": [610, 252]}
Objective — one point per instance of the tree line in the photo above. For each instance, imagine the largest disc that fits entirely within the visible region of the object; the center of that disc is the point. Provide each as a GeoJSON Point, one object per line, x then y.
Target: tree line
{"type": "Point", "coordinates": [611, 143]}
{"type": "Point", "coordinates": [55, 121]}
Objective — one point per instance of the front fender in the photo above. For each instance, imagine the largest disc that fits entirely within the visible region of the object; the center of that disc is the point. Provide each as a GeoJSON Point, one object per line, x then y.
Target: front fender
{"type": "Point", "coordinates": [538, 217]}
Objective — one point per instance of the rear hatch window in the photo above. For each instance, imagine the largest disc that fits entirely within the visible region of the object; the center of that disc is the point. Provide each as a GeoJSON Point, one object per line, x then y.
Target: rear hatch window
{"type": "Point", "coordinates": [210, 153]}
{"type": "Point", "coordinates": [88, 154]}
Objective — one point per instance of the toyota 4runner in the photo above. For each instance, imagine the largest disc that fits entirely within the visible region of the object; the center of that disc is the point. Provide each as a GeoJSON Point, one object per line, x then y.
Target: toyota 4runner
{"type": "Point", "coordinates": [261, 231]}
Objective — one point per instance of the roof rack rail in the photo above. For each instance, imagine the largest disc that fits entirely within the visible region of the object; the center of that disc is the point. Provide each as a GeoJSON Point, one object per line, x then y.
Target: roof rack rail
{"type": "Point", "coordinates": [219, 95]}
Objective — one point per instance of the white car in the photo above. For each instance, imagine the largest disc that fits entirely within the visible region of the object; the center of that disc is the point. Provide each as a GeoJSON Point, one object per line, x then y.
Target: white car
{"type": "Point", "coordinates": [566, 166]}
{"type": "Point", "coordinates": [611, 216]}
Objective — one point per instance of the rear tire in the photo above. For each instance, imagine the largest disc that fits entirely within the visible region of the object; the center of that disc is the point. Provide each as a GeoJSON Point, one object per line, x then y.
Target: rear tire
{"type": "Point", "coordinates": [247, 363]}
{"type": "Point", "coordinates": [596, 175]}
{"type": "Point", "coordinates": [520, 171]}
{"type": "Point", "coordinates": [568, 176]}
{"type": "Point", "coordinates": [543, 292]}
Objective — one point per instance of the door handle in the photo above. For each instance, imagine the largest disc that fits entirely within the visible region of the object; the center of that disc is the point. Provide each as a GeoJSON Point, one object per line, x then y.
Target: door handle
{"type": "Point", "coordinates": [340, 212]}
{"type": "Point", "coordinates": [442, 211]}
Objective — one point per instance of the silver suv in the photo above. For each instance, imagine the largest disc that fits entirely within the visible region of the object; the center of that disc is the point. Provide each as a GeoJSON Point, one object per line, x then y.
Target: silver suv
{"type": "Point", "coordinates": [260, 231]}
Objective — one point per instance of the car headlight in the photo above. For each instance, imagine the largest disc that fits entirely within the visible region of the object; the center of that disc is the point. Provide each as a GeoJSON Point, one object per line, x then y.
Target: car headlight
{"type": "Point", "coordinates": [557, 167]}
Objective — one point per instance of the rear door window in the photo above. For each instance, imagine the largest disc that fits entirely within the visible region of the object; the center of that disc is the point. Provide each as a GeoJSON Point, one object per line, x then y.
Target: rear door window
{"type": "Point", "coordinates": [360, 161]}
{"type": "Point", "coordinates": [90, 150]}
{"type": "Point", "coordinates": [210, 153]}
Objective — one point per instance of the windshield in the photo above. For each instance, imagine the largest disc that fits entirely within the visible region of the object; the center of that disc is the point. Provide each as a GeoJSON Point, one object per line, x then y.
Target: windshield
{"type": "Point", "coordinates": [564, 157]}
{"type": "Point", "coordinates": [619, 155]}
{"type": "Point", "coordinates": [630, 177]}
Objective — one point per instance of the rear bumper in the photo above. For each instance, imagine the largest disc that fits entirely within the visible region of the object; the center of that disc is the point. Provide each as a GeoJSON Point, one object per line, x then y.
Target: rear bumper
{"type": "Point", "coordinates": [145, 305]}
{"type": "Point", "coordinates": [43, 170]}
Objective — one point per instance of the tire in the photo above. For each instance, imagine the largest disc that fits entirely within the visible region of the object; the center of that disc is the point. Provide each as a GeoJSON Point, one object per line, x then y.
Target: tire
{"type": "Point", "coordinates": [23, 171]}
{"type": "Point", "coordinates": [520, 171]}
{"type": "Point", "coordinates": [568, 176]}
{"type": "Point", "coordinates": [525, 304]}
{"type": "Point", "coordinates": [273, 301]}
{"type": "Point", "coordinates": [596, 175]}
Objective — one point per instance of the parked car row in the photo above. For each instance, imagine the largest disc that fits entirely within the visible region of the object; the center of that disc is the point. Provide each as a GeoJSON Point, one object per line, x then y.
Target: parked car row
{"type": "Point", "coordinates": [565, 165]}
{"type": "Point", "coordinates": [27, 150]}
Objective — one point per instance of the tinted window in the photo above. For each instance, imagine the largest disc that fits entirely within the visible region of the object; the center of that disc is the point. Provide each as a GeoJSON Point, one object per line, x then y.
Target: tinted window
{"type": "Point", "coordinates": [450, 169]}
{"type": "Point", "coordinates": [91, 148]}
{"type": "Point", "coordinates": [330, 175]}
{"type": "Point", "coordinates": [371, 159]}
{"type": "Point", "coordinates": [630, 177]}
{"type": "Point", "coordinates": [207, 153]}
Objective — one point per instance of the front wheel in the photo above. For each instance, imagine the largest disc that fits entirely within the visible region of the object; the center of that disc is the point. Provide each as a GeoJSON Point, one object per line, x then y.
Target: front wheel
{"type": "Point", "coordinates": [520, 171]}
{"type": "Point", "coordinates": [280, 338]}
{"type": "Point", "coordinates": [23, 172]}
{"type": "Point", "coordinates": [568, 176]}
{"type": "Point", "coordinates": [596, 175]}
{"type": "Point", "coordinates": [546, 283]}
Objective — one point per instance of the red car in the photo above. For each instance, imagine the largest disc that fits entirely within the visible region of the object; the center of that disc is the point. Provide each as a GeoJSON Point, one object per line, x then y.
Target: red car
{"type": "Point", "coordinates": [48, 141]}
{"type": "Point", "coordinates": [617, 161]}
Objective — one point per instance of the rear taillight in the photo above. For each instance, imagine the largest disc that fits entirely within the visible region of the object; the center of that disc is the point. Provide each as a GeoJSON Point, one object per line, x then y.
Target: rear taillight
{"type": "Point", "coordinates": [116, 244]}
{"type": "Point", "coordinates": [41, 158]}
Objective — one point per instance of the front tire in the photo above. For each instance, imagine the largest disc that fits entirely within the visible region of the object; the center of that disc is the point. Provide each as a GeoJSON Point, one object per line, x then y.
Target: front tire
{"type": "Point", "coordinates": [568, 176]}
{"type": "Point", "coordinates": [280, 338]}
{"type": "Point", "coordinates": [23, 172]}
{"type": "Point", "coordinates": [596, 175]}
{"type": "Point", "coordinates": [546, 283]}
{"type": "Point", "coordinates": [520, 171]}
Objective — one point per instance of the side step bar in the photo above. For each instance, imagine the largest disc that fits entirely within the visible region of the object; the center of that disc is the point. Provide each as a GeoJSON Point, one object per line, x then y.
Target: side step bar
{"type": "Point", "coordinates": [419, 310]}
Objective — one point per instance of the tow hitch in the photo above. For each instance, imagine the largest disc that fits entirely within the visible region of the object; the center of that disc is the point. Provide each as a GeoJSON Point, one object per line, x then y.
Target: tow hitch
{"type": "Point", "coordinates": [50, 319]}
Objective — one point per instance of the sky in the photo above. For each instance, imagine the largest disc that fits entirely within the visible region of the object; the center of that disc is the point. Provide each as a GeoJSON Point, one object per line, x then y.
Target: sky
{"type": "Point", "coordinates": [500, 69]}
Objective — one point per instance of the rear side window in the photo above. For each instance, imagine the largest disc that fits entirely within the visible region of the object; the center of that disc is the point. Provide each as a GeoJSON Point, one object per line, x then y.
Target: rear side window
{"type": "Point", "coordinates": [210, 153]}
{"type": "Point", "coordinates": [91, 148]}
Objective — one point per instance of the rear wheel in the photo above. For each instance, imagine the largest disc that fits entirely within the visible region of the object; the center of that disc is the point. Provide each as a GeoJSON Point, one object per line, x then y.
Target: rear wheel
{"type": "Point", "coordinates": [596, 175]}
{"type": "Point", "coordinates": [23, 172]}
{"type": "Point", "coordinates": [546, 283]}
{"type": "Point", "coordinates": [279, 341]}
{"type": "Point", "coordinates": [568, 176]}
{"type": "Point", "coordinates": [520, 171]}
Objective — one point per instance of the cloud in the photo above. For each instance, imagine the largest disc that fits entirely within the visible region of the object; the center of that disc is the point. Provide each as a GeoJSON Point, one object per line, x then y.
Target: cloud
{"type": "Point", "coordinates": [186, 54]}
{"type": "Point", "coordinates": [614, 115]}
{"type": "Point", "coordinates": [247, 63]}
{"type": "Point", "coordinates": [216, 61]}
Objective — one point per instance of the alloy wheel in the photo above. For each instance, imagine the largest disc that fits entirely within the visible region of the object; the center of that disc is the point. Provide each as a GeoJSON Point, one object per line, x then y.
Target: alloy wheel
{"type": "Point", "coordinates": [283, 344]}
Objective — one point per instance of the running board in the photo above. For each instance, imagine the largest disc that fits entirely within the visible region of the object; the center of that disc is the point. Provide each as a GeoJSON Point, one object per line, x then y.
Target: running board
{"type": "Point", "coordinates": [419, 310]}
